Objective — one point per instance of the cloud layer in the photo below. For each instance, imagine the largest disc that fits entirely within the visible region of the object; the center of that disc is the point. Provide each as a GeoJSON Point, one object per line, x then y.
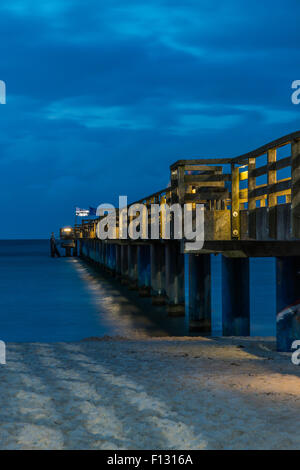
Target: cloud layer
{"type": "Point", "coordinates": [103, 96]}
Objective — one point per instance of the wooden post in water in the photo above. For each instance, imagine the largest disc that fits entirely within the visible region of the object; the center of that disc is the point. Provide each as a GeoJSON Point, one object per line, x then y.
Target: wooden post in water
{"type": "Point", "coordinates": [175, 279]}
{"type": "Point", "coordinates": [200, 293]}
{"type": "Point", "coordinates": [132, 266]}
{"type": "Point", "coordinates": [143, 261]}
{"type": "Point", "coordinates": [287, 301]}
{"type": "Point", "coordinates": [235, 296]}
{"type": "Point", "coordinates": [158, 273]}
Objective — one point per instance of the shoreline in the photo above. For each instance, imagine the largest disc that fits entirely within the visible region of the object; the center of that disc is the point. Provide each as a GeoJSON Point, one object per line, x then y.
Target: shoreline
{"type": "Point", "coordinates": [164, 393]}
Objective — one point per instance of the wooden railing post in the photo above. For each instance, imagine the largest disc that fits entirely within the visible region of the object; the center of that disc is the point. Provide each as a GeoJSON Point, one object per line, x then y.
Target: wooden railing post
{"type": "Point", "coordinates": [272, 198]}
{"type": "Point", "coordinates": [251, 199]}
{"type": "Point", "coordinates": [181, 184]}
{"type": "Point", "coordinates": [295, 194]}
{"type": "Point", "coordinates": [235, 203]}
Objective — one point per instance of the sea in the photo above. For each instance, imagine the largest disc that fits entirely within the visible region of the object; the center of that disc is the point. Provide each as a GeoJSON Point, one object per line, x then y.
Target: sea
{"type": "Point", "coordinates": [44, 299]}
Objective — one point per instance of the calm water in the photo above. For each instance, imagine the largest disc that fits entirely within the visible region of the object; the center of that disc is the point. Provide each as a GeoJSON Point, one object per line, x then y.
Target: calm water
{"type": "Point", "coordinates": [45, 299]}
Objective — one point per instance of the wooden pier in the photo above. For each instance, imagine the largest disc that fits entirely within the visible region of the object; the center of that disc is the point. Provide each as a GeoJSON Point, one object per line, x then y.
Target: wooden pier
{"type": "Point", "coordinates": [252, 209]}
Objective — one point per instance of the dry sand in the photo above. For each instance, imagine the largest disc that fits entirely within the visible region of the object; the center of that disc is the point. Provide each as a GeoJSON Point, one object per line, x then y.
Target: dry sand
{"type": "Point", "coordinates": [175, 393]}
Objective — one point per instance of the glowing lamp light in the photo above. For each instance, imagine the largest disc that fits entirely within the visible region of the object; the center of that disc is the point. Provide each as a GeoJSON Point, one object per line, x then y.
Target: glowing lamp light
{"type": "Point", "coordinates": [67, 229]}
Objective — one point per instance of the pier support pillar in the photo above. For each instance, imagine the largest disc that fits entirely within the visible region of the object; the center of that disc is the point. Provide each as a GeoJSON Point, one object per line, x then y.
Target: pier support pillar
{"type": "Point", "coordinates": [107, 256]}
{"type": "Point", "coordinates": [92, 250]}
{"type": "Point", "coordinates": [287, 301]}
{"type": "Point", "coordinates": [75, 249]}
{"type": "Point", "coordinates": [68, 251]}
{"type": "Point", "coordinates": [124, 264]}
{"type": "Point", "coordinates": [104, 255]}
{"type": "Point", "coordinates": [101, 253]}
{"type": "Point", "coordinates": [200, 293]}
{"type": "Point", "coordinates": [132, 267]}
{"type": "Point", "coordinates": [235, 297]}
{"type": "Point", "coordinates": [175, 279]}
{"type": "Point", "coordinates": [143, 261]}
{"type": "Point", "coordinates": [118, 260]}
{"type": "Point", "coordinates": [112, 258]}
{"type": "Point", "coordinates": [97, 243]}
{"type": "Point", "coordinates": [158, 273]}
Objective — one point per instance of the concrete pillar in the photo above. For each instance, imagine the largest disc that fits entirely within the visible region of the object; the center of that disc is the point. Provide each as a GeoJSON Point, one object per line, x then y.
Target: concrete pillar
{"type": "Point", "coordinates": [104, 254]}
{"type": "Point", "coordinates": [91, 250]}
{"type": "Point", "coordinates": [85, 248]}
{"type": "Point", "coordinates": [124, 264]}
{"type": "Point", "coordinates": [100, 243]}
{"type": "Point", "coordinates": [175, 279]}
{"type": "Point", "coordinates": [143, 261]}
{"type": "Point", "coordinates": [107, 256]}
{"type": "Point", "coordinates": [68, 251]}
{"type": "Point", "coordinates": [95, 251]}
{"type": "Point", "coordinates": [287, 301]}
{"type": "Point", "coordinates": [235, 296]}
{"type": "Point", "coordinates": [200, 293]}
{"type": "Point", "coordinates": [118, 260]}
{"type": "Point", "coordinates": [75, 249]}
{"type": "Point", "coordinates": [158, 273]}
{"type": "Point", "coordinates": [132, 267]}
{"type": "Point", "coordinates": [100, 252]}
{"type": "Point", "coordinates": [111, 258]}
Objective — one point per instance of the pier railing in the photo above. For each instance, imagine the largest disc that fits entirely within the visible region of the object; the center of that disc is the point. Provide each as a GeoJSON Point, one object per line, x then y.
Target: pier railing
{"type": "Point", "coordinates": [254, 196]}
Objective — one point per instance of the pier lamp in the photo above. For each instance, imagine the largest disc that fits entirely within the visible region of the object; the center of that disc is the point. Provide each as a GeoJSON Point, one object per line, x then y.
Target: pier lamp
{"type": "Point", "coordinates": [66, 233]}
{"type": "Point", "coordinates": [67, 237]}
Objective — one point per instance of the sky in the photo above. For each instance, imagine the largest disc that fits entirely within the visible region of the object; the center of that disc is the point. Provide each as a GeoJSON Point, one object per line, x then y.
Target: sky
{"type": "Point", "coordinates": [102, 96]}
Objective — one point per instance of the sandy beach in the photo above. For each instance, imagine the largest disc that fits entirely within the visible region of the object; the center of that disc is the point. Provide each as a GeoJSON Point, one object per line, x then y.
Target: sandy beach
{"type": "Point", "coordinates": [115, 393]}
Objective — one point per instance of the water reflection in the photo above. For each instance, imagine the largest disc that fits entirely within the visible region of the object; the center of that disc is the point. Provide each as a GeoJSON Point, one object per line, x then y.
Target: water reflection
{"type": "Point", "coordinates": [123, 311]}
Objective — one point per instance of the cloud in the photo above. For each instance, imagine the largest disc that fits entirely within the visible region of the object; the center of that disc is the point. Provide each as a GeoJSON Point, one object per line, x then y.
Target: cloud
{"type": "Point", "coordinates": [98, 116]}
{"type": "Point", "coordinates": [101, 99]}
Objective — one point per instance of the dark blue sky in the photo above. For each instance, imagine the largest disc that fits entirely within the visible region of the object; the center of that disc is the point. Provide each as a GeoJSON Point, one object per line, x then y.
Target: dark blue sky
{"type": "Point", "coordinates": [102, 96]}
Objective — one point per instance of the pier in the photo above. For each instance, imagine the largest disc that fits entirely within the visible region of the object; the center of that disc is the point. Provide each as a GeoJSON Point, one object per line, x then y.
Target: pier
{"type": "Point", "coordinates": [251, 209]}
